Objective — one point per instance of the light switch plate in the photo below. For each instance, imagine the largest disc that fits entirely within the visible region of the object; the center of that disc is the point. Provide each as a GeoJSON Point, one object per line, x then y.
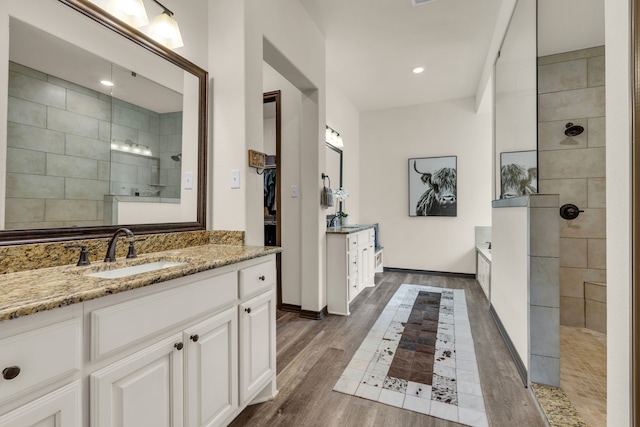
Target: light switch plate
{"type": "Point", "coordinates": [235, 178]}
{"type": "Point", "coordinates": [294, 191]}
{"type": "Point", "coordinates": [188, 181]}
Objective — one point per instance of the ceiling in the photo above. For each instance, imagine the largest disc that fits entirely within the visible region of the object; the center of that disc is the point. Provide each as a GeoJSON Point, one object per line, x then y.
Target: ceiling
{"type": "Point", "coordinates": [373, 45]}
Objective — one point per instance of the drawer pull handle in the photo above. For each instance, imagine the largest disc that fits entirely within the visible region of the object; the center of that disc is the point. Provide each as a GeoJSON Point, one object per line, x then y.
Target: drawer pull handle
{"type": "Point", "coordinates": [248, 310]}
{"type": "Point", "coordinates": [262, 278]}
{"type": "Point", "coordinates": [194, 337]}
{"type": "Point", "coordinates": [179, 345]}
{"type": "Point", "coordinates": [11, 372]}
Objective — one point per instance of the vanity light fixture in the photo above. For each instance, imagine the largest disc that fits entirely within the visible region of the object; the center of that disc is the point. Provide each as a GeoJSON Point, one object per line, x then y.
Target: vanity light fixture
{"type": "Point", "coordinates": [131, 147]}
{"type": "Point", "coordinates": [164, 29]}
{"type": "Point", "coordinates": [332, 137]}
{"type": "Point", "coordinates": [130, 11]}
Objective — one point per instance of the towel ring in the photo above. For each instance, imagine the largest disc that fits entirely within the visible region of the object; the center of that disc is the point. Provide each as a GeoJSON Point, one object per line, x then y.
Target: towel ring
{"type": "Point", "coordinates": [324, 175]}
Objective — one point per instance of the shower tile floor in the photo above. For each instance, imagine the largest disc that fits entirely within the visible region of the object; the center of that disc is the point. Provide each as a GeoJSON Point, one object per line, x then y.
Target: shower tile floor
{"type": "Point", "coordinates": [583, 372]}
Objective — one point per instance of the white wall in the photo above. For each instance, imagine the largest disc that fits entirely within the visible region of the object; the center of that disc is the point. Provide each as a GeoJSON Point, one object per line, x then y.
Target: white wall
{"type": "Point", "coordinates": [344, 118]}
{"type": "Point", "coordinates": [619, 263]}
{"type": "Point", "coordinates": [388, 139]}
{"type": "Point", "coordinates": [510, 274]}
{"type": "Point", "coordinates": [290, 175]}
{"type": "Point", "coordinates": [241, 35]}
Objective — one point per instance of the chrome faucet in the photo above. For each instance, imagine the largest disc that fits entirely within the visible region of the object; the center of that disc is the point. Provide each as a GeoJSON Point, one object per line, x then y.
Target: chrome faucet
{"type": "Point", "coordinates": [111, 248]}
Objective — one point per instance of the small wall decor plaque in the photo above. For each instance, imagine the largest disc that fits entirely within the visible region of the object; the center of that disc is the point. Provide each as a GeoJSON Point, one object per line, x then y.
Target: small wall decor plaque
{"type": "Point", "coordinates": [256, 159]}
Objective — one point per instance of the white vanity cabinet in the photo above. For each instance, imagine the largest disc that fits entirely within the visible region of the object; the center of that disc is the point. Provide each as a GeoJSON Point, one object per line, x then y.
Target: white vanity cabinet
{"type": "Point", "coordinates": [350, 267]}
{"type": "Point", "coordinates": [40, 365]}
{"type": "Point", "coordinates": [483, 273]}
{"type": "Point", "coordinates": [193, 351]}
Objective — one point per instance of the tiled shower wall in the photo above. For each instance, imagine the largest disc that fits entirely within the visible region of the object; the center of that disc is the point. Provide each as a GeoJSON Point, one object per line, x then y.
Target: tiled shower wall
{"type": "Point", "coordinates": [59, 160]}
{"type": "Point", "coordinates": [571, 89]}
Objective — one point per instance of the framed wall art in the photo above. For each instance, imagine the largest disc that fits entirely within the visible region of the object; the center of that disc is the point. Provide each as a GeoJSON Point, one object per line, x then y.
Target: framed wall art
{"type": "Point", "coordinates": [518, 173]}
{"type": "Point", "coordinates": [433, 186]}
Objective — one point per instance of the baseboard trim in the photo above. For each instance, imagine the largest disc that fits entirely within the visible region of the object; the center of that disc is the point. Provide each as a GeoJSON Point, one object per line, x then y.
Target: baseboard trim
{"type": "Point", "coordinates": [428, 272]}
{"type": "Point", "coordinates": [290, 307]}
{"type": "Point", "coordinates": [522, 370]}
{"type": "Point", "coordinates": [314, 315]}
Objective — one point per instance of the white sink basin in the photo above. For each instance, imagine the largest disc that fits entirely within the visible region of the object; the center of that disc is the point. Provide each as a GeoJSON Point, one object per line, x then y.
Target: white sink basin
{"type": "Point", "coordinates": [119, 273]}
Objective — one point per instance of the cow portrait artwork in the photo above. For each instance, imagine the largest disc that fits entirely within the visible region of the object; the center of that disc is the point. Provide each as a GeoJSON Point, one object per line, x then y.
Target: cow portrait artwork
{"type": "Point", "coordinates": [437, 196]}
{"type": "Point", "coordinates": [518, 174]}
{"type": "Point", "coordinates": [518, 181]}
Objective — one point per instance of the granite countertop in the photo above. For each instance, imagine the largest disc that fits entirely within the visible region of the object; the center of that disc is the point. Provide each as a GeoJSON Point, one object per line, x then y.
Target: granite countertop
{"type": "Point", "coordinates": [484, 250]}
{"type": "Point", "coordinates": [349, 228]}
{"type": "Point", "coordinates": [29, 292]}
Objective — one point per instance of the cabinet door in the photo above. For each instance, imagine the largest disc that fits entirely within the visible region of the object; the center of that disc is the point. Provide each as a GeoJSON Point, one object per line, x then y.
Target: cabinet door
{"type": "Point", "coordinates": [61, 408]}
{"type": "Point", "coordinates": [144, 389]}
{"type": "Point", "coordinates": [212, 369]}
{"type": "Point", "coordinates": [257, 344]}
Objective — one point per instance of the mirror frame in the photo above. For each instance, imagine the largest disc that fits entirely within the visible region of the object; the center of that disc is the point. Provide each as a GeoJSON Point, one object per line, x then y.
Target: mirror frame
{"type": "Point", "coordinates": [341, 153]}
{"type": "Point", "coordinates": [94, 12]}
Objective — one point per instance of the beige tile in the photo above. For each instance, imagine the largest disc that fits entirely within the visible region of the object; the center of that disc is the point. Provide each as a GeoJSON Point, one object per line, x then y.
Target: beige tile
{"type": "Point", "coordinates": [572, 282]}
{"type": "Point", "coordinates": [597, 253]}
{"type": "Point", "coordinates": [574, 103]}
{"type": "Point", "coordinates": [76, 124]}
{"type": "Point", "coordinates": [27, 71]}
{"type": "Point", "coordinates": [573, 252]}
{"type": "Point", "coordinates": [104, 170]}
{"type": "Point", "coordinates": [569, 190]}
{"type": "Point", "coordinates": [74, 87]}
{"type": "Point", "coordinates": [596, 316]}
{"type": "Point", "coordinates": [31, 89]}
{"type": "Point", "coordinates": [597, 193]}
{"type": "Point", "coordinates": [566, 75]}
{"type": "Point", "coordinates": [104, 131]}
{"type": "Point", "coordinates": [590, 224]}
{"type": "Point", "coordinates": [88, 106]}
{"type": "Point", "coordinates": [551, 135]}
{"type": "Point", "coordinates": [572, 312]}
{"type": "Point", "coordinates": [32, 225]}
{"type": "Point", "coordinates": [595, 71]}
{"type": "Point", "coordinates": [88, 148]}
{"type": "Point", "coordinates": [26, 112]}
{"type": "Point", "coordinates": [130, 118]}
{"type": "Point", "coordinates": [544, 331]}
{"type": "Point", "coordinates": [34, 186]}
{"type": "Point", "coordinates": [579, 163]}
{"type": "Point", "coordinates": [85, 189]}
{"type": "Point", "coordinates": [545, 281]}
{"type": "Point", "coordinates": [595, 292]}
{"type": "Point", "coordinates": [124, 173]}
{"type": "Point", "coordinates": [70, 210]}
{"type": "Point", "coordinates": [123, 133]}
{"type": "Point", "coordinates": [74, 167]}
{"type": "Point", "coordinates": [25, 161]}
{"type": "Point", "coordinates": [543, 201]}
{"type": "Point", "coordinates": [34, 138]}
{"type": "Point", "coordinates": [572, 55]}
{"type": "Point", "coordinates": [597, 132]}
{"type": "Point", "coordinates": [544, 238]}
{"type": "Point", "coordinates": [24, 210]}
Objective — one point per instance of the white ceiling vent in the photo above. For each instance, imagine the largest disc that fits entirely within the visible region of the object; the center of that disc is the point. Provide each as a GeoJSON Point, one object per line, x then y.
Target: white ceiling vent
{"type": "Point", "coordinates": [417, 2]}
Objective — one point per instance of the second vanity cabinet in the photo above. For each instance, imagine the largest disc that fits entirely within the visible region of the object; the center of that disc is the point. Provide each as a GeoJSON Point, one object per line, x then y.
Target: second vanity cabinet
{"type": "Point", "coordinates": [192, 351]}
{"type": "Point", "coordinates": [350, 267]}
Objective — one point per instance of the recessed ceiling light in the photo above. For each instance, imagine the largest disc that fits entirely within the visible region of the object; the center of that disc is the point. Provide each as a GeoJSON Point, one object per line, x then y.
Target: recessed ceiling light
{"type": "Point", "coordinates": [418, 70]}
{"type": "Point", "coordinates": [106, 82]}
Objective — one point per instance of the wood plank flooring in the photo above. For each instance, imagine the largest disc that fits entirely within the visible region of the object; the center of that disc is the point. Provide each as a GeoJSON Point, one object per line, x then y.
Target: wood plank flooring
{"type": "Point", "coordinates": [311, 356]}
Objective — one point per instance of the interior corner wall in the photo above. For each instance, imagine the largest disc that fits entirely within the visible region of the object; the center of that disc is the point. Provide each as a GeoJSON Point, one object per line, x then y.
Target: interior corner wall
{"type": "Point", "coordinates": [619, 66]}
{"type": "Point", "coordinates": [388, 139]}
{"type": "Point", "coordinates": [290, 175]}
{"type": "Point", "coordinates": [344, 118]}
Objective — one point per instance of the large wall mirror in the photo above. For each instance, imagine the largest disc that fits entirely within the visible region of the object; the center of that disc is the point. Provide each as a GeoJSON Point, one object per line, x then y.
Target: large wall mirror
{"type": "Point", "coordinates": [83, 157]}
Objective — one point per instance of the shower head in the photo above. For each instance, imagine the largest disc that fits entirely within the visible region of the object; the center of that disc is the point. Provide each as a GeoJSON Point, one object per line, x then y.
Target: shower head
{"type": "Point", "coordinates": [573, 130]}
{"type": "Point", "coordinates": [177, 157]}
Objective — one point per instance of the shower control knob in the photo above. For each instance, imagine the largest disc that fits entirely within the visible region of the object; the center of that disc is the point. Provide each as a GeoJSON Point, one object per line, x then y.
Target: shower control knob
{"type": "Point", "coordinates": [570, 211]}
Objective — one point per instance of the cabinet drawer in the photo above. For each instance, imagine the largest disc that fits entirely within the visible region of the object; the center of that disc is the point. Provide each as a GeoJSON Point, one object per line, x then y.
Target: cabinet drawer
{"type": "Point", "coordinates": [372, 235]}
{"type": "Point", "coordinates": [256, 278]}
{"type": "Point", "coordinates": [42, 355]}
{"type": "Point", "coordinates": [113, 328]}
{"type": "Point", "coordinates": [352, 268]}
{"type": "Point", "coordinates": [352, 241]}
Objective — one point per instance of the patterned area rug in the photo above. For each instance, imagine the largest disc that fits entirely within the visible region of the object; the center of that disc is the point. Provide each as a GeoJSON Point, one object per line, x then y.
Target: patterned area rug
{"type": "Point", "coordinates": [419, 356]}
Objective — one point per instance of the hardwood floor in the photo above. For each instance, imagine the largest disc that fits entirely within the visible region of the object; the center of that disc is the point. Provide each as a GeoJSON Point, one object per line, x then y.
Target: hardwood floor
{"type": "Point", "coordinates": [311, 356]}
